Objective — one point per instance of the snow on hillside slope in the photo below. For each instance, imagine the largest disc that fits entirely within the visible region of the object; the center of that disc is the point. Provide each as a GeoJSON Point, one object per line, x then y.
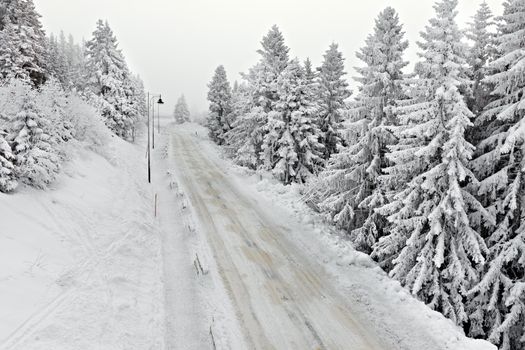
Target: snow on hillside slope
{"type": "Point", "coordinates": [378, 302]}
{"type": "Point", "coordinates": [80, 264]}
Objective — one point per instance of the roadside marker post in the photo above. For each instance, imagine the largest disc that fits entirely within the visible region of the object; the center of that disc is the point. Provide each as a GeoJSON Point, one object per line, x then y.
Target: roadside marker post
{"type": "Point", "coordinates": [156, 197]}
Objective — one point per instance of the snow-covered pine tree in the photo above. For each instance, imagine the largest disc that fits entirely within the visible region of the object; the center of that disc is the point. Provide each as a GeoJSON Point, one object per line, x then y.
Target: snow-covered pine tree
{"type": "Point", "coordinates": [219, 96]}
{"type": "Point", "coordinates": [139, 98]}
{"type": "Point", "coordinates": [245, 137]}
{"type": "Point", "coordinates": [62, 46]}
{"type": "Point", "coordinates": [481, 53]}
{"type": "Point", "coordinates": [52, 54]}
{"type": "Point", "coordinates": [3, 12]}
{"type": "Point", "coordinates": [51, 102]}
{"type": "Point", "coordinates": [11, 66]}
{"type": "Point", "coordinates": [349, 189]}
{"type": "Point", "coordinates": [312, 81]}
{"type": "Point", "coordinates": [137, 106]}
{"type": "Point", "coordinates": [240, 96]}
{"type": "Point", "coordinates": [434, 250]}
{"type": "Point", "coordinates": [333, 91]}
{"type": "Point", "coordinates": [128, 105]}
{"type": "Point", "coordinates": [57, 61]}
{"type": "Point", "coordinates": [262, 85]}
{"type": "Point", "coordinates": [181, 112]}
{"type": "Point", "coordinates": [291, 148]}
{"type": "Point", "coordinates": [37, 161]}
{"type": "Point", "coordinates": [274, 57]}
{"type": "Point", "coordinates": [66, 62]}
{"type": "Point", "coordinates": [109, 80]}
{"type": "Point", "coordinates": [72, 51]}
{"type": "Point", "coordinates": [78, 73]}
{"type": "Point", "coordinates": [310, 73]}
{"type": "Point", "coordinates": [8, 180]}
{"type": "Point", "coordinates": [499, 299]}
{"type": "Point", "coordinates": [239, 146]}
{"type": "Point", "coordinates": [23, 49]}
{"type": "Point", "coordinates": [33, 46]}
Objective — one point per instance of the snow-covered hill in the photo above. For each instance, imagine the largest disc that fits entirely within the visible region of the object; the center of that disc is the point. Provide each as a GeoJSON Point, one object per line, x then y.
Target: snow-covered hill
{"type": "Point", "coordinates": [80, 264]}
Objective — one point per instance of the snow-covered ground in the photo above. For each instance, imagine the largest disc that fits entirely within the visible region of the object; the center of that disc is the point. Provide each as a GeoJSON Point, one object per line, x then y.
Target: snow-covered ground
{"type": "Point", "coordinates": [232, 260]}
{"type": "Point", "coordinates": [80, 264]}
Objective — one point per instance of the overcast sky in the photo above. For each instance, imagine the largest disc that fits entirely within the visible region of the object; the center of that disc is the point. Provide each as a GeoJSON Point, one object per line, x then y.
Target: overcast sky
{"type": "Point", "coordinates": [175, 45]}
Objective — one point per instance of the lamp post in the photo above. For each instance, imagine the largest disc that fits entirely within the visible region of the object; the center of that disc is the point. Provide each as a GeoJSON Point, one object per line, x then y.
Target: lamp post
{"type": "Point", "coordinates": [159, 102]}
{"type": "Point", "coordinates": [151, 124]}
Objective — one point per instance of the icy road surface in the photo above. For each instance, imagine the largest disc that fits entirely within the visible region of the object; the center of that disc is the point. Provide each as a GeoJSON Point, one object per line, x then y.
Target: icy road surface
{"type": "Point", "coordinates": [283, 299]}
{"type": "Point", "coordinates": [291, 288]}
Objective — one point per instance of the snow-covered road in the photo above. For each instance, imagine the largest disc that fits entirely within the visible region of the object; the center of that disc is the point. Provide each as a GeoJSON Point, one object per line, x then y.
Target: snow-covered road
{"type": "Point", "coordinates": [283, 298]}
{"type": "Point", "coordinates": [287, 289]}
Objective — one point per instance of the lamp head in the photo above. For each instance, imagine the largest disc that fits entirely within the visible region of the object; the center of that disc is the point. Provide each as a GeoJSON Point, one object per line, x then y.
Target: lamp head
{"type": "Point", "coordinates": [160, 102]}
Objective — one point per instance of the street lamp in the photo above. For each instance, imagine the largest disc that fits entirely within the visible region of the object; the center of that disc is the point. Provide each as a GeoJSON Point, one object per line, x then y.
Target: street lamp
{"type": "Point", "coordinates": [150, 134]}
{"type": "Point", "coordinates": [159, 102]}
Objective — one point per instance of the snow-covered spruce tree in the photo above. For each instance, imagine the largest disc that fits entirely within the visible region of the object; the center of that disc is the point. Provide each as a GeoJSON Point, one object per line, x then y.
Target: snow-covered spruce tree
{"type": "Point", "coordinates": [10, 59]}
{"type": "Point", "coordinates": [310, 73]}
{"type": "Point", "coordinates": [238, 138]}
{"type": "Point", "coordinates": [311, 77]}
{"type": "Point", "coordinates": [109, 81]}
{"type": "Point", "coordinates": [219, 96]}
{"type": "Point", "coordinates": [7, 168]}
{"type": "Point", "coordinates": [434, 250]}
{"type": "Point", "coordinates": [333, 91]}
{"type": "Point", "coordinates": [139, 100]}
{"type": "Point", "coordinates": [66, 62]}
{"type": "Point", "coordinates": [248, 129]}
{"type": "Point", "coordinates": [3, 12]}
{"type": "Point", "coordinates": [262, 84]}
{"type": "Point", "coordinates": [77, 58]}
{"type": "Point", "coordinates": [181, 113]}
{"type": "Point", "coordinates": [129, 105]}
{"type": "Point", "coordinates": [239, 102]}
{"type": "Point", "coordinates": [349, 189]}
{"type": "Point", "coordinates": [23, 43]}
{"type": "Point", "coordinates": [499, 299]}
{"type": "Point", "coordinates": [291, 148]}
{"type": "Point", "coordinates": [480, 54]}
{"type": "Point", "coordinates": [56, 61]}
{"type": "Point", "coordinates": [51, 102]}
{"type": "Point", "coordinates": [37, 161]}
